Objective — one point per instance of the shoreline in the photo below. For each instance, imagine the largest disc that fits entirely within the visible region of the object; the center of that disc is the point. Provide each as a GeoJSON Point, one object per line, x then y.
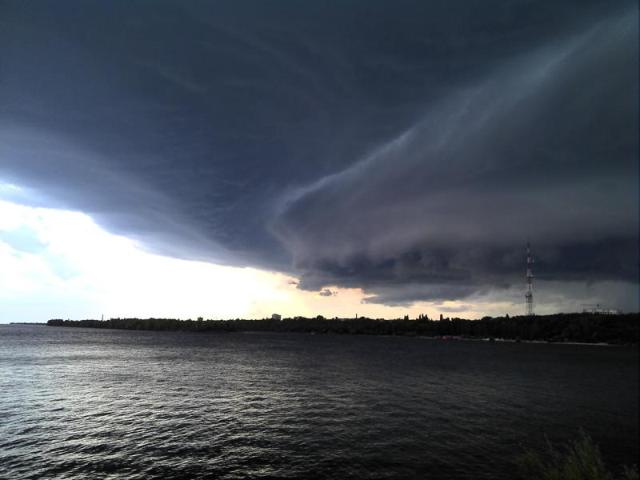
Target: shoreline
{"type": "Point", "coordinates": [543, 342]}
{"type": "Point", "coordinates": [567, 329]}
{"type": "Point", "coordinates": [443, 338]}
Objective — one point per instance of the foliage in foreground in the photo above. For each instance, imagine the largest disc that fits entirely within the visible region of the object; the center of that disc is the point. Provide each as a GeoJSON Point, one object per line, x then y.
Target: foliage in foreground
{"type": "Point", "coordinates": [578, 460]}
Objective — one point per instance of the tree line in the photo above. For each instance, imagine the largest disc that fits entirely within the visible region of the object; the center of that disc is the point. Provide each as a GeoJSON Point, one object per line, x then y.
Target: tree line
{"type": "Point", "coordinates": [563, 327]}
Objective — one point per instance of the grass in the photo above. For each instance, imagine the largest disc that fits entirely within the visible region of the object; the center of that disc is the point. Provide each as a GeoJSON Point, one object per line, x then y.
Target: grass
{"type": "Point", "coordinates": [577, 460]}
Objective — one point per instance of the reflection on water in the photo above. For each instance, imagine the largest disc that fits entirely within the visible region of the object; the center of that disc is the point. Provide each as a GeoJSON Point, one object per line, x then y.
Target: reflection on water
{"type": "Point", "coordinates": [82, 403]}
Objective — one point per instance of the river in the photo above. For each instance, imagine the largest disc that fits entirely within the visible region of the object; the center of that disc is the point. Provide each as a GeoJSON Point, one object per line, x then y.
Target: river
{"type": "Point", "coordinates": [81, 403]}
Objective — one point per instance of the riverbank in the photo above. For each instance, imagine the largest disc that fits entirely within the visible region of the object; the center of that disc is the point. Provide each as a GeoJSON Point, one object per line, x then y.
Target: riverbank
{"type": "Point", "coordinates": [577, 328]}
{"type": "Point", "coordinates": [543, 342]}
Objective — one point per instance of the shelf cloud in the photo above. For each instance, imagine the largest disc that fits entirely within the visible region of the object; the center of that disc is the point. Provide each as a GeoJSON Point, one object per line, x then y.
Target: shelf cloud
{"type": "Point", "coordinates": [411, 151]}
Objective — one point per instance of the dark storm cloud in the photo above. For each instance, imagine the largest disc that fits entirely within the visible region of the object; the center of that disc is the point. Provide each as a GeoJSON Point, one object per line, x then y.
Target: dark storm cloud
{"type": "Point", "coordinates": [544, 149]}
{"type": "Point", "coordinates": [402, 293]}
{"type": "Point", "coordinates": [408, 150]}
{"type": "Point", "coordinates": [325, 292]}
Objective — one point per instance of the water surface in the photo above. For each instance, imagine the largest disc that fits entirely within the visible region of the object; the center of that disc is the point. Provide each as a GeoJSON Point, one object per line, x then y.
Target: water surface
{"type": "Point", "coordinates": [82, 403]}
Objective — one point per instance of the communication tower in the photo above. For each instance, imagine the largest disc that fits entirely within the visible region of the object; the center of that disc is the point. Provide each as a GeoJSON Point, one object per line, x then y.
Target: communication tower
{"type": "Point", "coordinates": [528, 296]}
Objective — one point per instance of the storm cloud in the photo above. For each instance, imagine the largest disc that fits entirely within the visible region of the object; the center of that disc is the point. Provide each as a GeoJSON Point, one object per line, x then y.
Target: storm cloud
{"type": "Point", "coordinates": [544, 150]}
{"type": "Point", "coordinates": [409, 149]}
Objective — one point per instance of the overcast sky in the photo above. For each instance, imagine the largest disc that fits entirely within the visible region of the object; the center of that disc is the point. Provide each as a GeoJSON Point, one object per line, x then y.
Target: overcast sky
{"type": "Point", "coordinates": [354, 156]}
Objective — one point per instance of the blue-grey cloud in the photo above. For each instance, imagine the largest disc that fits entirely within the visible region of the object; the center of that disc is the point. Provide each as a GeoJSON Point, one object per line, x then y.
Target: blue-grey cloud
{"type": "Point", "coordinates": [545, 150]}
{"type": "Point", "coordinates": [408, 149]}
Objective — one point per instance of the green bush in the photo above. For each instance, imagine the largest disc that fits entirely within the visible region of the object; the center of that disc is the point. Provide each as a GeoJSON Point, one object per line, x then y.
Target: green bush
{"type": "Point", "coordinates": [578, 460]}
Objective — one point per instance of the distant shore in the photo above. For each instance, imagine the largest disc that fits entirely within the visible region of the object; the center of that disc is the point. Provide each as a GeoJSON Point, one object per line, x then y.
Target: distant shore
{"type": "Point", "coordinates": [577, 328]}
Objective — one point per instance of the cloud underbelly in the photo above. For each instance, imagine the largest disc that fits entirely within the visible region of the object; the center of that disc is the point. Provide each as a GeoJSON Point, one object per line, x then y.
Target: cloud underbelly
{"type": "Point", "coordinates": [543, 151]}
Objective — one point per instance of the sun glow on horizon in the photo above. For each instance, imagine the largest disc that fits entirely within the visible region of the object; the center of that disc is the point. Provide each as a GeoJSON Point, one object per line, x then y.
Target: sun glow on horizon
{"type": "Point", "coordinates": [64, 263]}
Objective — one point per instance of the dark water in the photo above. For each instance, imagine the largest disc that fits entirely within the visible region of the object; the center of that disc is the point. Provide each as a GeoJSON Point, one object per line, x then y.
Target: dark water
{"type": "Point", "coordinates": [81, 403]}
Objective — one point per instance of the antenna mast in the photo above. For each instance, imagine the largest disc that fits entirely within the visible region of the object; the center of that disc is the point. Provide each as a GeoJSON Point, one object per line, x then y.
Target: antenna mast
{"type": "Point", "coordinates": [528, 296]}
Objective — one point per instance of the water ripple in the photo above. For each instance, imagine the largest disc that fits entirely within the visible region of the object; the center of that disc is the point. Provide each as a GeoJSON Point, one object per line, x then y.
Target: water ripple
{"type": "Point", "coordinates": [78, 404]}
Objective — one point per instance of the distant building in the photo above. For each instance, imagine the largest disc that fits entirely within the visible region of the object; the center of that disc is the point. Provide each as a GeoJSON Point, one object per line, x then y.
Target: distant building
{"type": "Point", "coordinates": [276, 316]}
